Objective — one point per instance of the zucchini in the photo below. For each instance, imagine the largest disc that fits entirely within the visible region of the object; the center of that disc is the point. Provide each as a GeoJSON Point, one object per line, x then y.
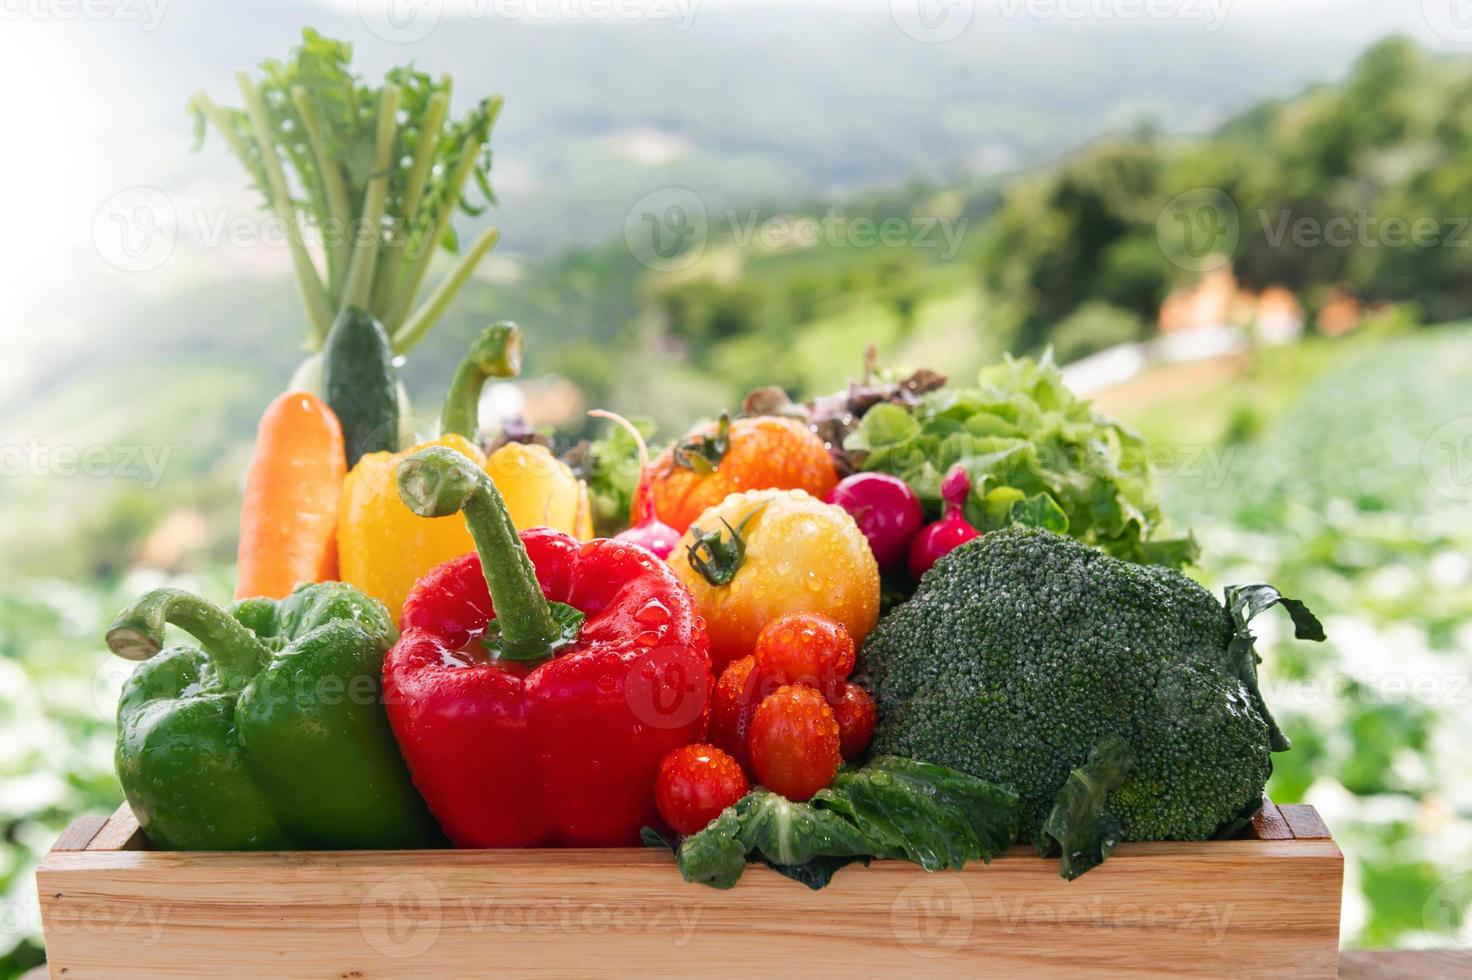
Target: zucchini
{"type": "Point", "coordinates": [360, 383]}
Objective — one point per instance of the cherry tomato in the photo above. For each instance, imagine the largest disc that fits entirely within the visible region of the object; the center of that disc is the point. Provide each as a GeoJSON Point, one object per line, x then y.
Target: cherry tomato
{"type": "Point", "coordinates": [806, 649]}
{"type": "Point", "coordinates": [737, 693]}
{"type": "Point", "coordinates": [695, 783]}
{"type": "Point", "coordinates": [794, 742]}
{"type": "Point", "coordinates": [855, 712]}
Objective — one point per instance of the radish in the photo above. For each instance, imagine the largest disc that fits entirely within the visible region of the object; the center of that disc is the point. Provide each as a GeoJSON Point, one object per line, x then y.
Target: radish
{"type": "Point", "coordinates": [886, 510]}
{"type": "Point", "coordinates": [650, 532]}
{"type": "Point", "coordinates": [950, 532]}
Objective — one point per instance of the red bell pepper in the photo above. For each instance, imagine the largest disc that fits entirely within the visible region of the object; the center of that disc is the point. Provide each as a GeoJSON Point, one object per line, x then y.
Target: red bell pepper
{"type": "Point", "coordinates": [537, 684]}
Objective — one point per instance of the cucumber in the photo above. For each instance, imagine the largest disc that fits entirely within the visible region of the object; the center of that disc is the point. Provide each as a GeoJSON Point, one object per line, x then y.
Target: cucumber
{"type": "Point", "coordinates": [360, 383]}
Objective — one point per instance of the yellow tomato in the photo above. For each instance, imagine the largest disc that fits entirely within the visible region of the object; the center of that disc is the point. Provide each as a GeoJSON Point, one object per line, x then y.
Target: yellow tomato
{"type": "Point", "coordinates": [800, 555]}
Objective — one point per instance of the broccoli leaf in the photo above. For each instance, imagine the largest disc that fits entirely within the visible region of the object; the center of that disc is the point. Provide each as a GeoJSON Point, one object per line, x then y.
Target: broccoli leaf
{"type": "Point", "coordinates": [776, 829]}
{"type": "Point", "coordinates": [815, 873]}
{"type": "Point", "coordinates": [1081, 822]}
{"type": "Point", "coordinates": [894, 807]}
{"type": "Point", "coordinates": [936, 817]}
{"type": "Point", "coordinates": [1244, 602]}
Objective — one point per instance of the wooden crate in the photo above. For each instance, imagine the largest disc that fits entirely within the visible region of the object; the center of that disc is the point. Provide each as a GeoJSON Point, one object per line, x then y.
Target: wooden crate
{"type": "Point", "coordinates": [1264, 905]}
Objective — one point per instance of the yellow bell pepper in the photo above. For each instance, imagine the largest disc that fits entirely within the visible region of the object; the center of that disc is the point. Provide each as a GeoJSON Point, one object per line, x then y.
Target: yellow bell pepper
{"type": "Point", "coordinates": [383, 548]}
{"type": "Point", "coordinates": [540, 490]}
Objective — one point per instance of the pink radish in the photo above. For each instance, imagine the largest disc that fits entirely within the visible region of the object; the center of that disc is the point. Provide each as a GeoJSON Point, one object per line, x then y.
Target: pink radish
{"type": "Point", "coordinates": [950, 532]}
{"type": "Point", "coordinates": [650, 532]}
{"type": "Point", "coordinates": [886, 510]}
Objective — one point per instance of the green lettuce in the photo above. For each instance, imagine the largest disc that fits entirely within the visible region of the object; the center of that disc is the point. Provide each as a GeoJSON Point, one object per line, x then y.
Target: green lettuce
{"type": "Point", "coordinates": [1038, 456]}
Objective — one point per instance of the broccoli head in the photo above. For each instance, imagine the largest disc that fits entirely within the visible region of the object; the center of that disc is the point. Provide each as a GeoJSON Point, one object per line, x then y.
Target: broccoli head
{"type": "Point", "coordinates": [1119, 700]}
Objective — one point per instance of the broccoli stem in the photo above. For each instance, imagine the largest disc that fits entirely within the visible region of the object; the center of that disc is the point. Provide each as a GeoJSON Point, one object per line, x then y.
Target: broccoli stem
{"type": "Point", "coordinates": [314, 297]}
{"type": "Point", "coordinates": [359, 286]}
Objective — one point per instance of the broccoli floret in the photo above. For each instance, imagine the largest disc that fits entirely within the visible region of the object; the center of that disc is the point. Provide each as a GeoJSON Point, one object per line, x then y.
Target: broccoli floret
{"type": "Point", "coordinates": [1119, 700]}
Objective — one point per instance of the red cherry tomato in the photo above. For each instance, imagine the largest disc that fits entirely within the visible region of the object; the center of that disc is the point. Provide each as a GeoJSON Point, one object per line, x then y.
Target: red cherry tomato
{"type": "Point", "coordinates": [806, 649]}
{"type": "Point", "coordinates": [856, 713]}
{"type": "Point", "coordinates": [794, 742]}
{"type": "Point", "coordinates": [734, 700]}
{"type": "Point", "coordinates": [695, 783]}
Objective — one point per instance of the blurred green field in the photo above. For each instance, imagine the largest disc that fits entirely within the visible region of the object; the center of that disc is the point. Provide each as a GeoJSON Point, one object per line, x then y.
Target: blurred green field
{"type": "Point", "coordinates": [1328, 493]}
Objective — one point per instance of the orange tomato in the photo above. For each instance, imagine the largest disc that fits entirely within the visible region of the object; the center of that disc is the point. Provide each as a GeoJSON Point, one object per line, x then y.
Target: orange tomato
{"type": "Point", "coordinates": [761, 453]}
{"type": "Point", "coordinates": [762, 554]}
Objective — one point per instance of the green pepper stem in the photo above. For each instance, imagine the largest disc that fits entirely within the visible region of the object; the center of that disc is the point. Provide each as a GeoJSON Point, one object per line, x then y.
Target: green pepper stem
{"type": "Point", "coordinates": [438, 482]}
{"type": "Point", "coordinates": [495, 354]}
{"type": "Point", "coordinates": [138, 633]}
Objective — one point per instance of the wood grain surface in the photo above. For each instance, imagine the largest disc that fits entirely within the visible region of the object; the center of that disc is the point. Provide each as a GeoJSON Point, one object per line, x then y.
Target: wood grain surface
{"type": "Point", "coordinates": [1250, 907]}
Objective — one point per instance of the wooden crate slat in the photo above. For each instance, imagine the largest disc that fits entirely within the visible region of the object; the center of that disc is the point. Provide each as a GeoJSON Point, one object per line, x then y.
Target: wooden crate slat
{"type": "Point", "coordinates": [1269, 824]}
{"type": "Point", "coordinates": [121, 833]}
{"type": "Point", "coordinates": [1244, 908]}
{"type": "Point", "coordinates": [1304, 821]}
{"type": "Point", "coordinates": [79, 833]}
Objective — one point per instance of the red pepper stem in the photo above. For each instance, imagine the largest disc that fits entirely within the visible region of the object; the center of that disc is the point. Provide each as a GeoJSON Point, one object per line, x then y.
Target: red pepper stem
{"type": "Point", "coordinates": [138, 633]}
{"type": "Point", "coordinates": [438, 482]}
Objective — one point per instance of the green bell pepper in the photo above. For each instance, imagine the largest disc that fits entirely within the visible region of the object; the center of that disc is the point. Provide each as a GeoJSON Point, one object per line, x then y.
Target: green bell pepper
{"type": "Point", "coordinates": [271, 734]}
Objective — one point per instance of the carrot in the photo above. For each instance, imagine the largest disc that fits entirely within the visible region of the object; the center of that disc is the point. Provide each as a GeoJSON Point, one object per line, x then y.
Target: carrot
{"type": "Point", "coordinates": [288, 524]}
